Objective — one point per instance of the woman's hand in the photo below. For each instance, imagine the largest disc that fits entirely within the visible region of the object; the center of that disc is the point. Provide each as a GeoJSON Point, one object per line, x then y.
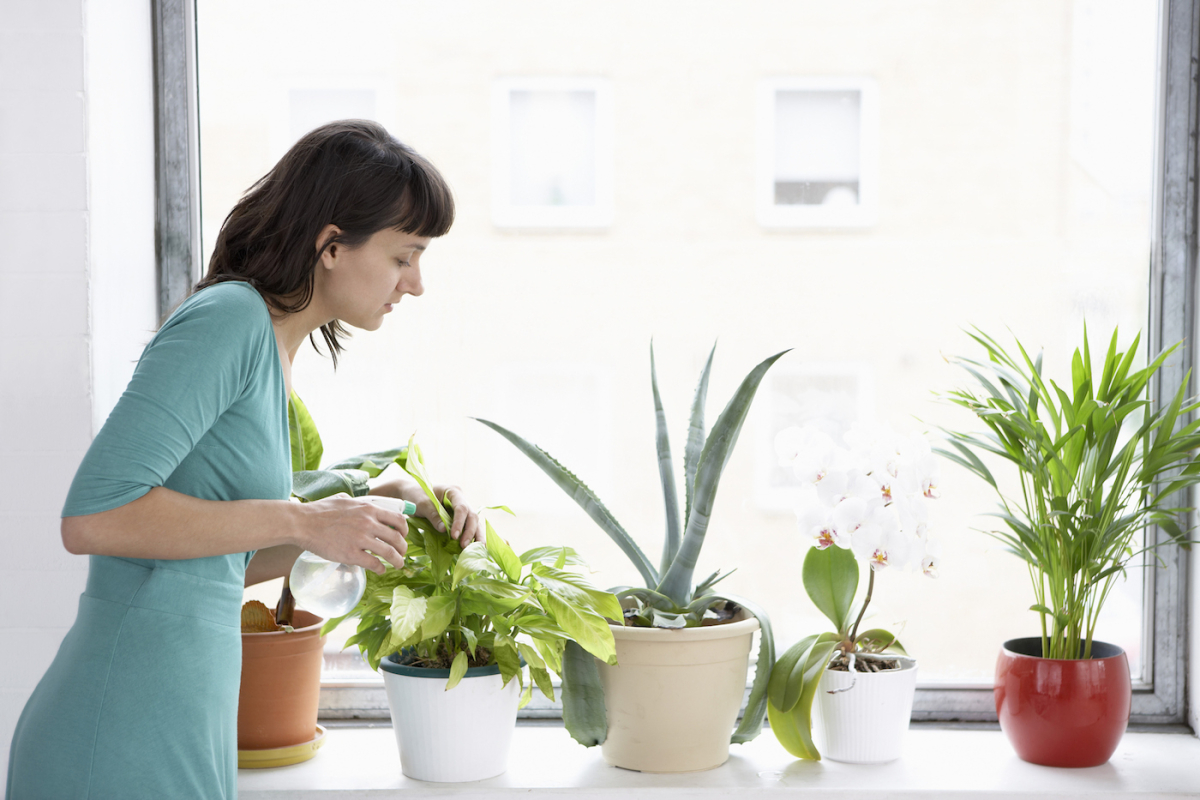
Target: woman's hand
{"type": "Point", "coordinates": [465, 526]}
{"type": "Point", "coordinates": [348, 530]}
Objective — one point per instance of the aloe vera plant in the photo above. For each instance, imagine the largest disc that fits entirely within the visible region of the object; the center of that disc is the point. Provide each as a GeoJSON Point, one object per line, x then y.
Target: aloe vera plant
{"type": "Point", "coordinates": [669, 598]}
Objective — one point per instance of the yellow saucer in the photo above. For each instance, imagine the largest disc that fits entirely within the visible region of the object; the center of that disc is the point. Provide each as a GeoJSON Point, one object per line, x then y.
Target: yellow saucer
{"type": "Point", "coordinates": [282, 756]}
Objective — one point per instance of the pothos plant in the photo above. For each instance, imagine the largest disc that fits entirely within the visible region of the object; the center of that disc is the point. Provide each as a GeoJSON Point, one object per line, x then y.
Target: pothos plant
{"type": "Point", "coordinates": [865, 502]}
{"type": "Point", "coordinates": [454, 607]}
{"type": "Point", "coordinates": [669, 598]}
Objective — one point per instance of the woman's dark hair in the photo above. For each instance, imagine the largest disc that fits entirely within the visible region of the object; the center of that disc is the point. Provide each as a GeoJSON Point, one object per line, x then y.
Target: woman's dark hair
{"type": "Point", "coordinates": [352, 174]}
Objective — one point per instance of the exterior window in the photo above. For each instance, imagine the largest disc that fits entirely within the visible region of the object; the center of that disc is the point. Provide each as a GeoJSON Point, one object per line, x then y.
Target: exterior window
{"type": "Point", "coordinates": [552, 159]}
{"type": "Point", "coordinates": [817, 141]}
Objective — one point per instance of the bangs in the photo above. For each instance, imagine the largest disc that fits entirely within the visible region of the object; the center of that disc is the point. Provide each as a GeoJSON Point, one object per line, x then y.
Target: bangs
{"type": "Point", "coordinates": [426, 205]}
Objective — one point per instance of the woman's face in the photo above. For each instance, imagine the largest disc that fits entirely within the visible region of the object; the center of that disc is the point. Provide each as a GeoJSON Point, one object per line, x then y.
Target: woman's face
{"type": "Point", "coordinates": [360, 285]}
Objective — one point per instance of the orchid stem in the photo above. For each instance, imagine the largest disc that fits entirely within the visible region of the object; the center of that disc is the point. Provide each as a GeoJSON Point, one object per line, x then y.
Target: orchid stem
{"type": "Point", "coordinates": [866, 602]}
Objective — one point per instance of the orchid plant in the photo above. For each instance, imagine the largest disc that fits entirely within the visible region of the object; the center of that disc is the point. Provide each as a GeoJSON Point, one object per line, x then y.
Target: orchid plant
{"type": "Point", "coordinates": [864, 502]}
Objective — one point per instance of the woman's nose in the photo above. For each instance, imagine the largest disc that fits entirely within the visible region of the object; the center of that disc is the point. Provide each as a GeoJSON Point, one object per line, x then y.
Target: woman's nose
{"type": "Point", "coordinates": [410, 281]}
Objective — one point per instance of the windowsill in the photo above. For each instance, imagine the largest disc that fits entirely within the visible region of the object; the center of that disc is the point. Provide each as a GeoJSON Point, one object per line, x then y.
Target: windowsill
{"type": "Point", "coordinates": [546, 762]}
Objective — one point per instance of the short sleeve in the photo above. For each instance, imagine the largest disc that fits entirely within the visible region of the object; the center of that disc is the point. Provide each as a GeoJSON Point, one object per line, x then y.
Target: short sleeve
{"type": "Point", "coordinates": [193, 370]}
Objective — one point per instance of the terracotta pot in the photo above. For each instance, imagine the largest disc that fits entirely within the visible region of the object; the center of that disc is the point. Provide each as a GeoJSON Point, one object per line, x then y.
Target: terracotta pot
{"type": "Point", "coordinates": [673, 701]}
{"type": "Point", "coordinates": [281, 685]}
{"type": "Point", "coordinates": [1062, 713]}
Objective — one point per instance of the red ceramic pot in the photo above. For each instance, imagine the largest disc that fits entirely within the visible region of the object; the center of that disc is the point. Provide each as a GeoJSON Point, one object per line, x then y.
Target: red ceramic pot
{"type": "Point", "coordinates": [1062, 713]}
{"type": "Point", "coordinates": [281, 685]}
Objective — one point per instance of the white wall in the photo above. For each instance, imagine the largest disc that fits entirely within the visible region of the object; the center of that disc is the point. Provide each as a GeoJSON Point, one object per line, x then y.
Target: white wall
{"type": "Point", "coordinates": [76, 220]}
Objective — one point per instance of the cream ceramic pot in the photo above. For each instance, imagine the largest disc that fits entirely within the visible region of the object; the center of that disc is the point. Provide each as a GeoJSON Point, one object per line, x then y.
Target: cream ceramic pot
{"type": "Point", "coordinates": [673, 700]}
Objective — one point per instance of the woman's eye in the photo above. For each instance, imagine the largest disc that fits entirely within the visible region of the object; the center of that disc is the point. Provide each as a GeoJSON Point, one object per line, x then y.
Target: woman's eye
{"type": "Point", "coordinates": [403, 263]}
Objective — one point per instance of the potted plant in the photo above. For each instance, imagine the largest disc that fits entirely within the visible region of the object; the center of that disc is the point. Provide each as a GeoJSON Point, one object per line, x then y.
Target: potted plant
{"type": "Point", "coordinates": [282, 648]}
{"type": "Point", "coordinates": [865, 503]}
{"type": "Point", "coordinates": [683, 648]}
{"type": "Point", "coordinates": [455, 632]}
{"type": "Point", "coordinates": [1096, 466]}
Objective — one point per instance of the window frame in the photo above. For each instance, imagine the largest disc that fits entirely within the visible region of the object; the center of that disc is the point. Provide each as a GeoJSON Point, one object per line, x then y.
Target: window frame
{"type": "Point", "coordinates": [507, 215]}
{"type": "Point", "coordinates": [866, 212]}
{"type": "Point", "coordinates": [1160, 691]}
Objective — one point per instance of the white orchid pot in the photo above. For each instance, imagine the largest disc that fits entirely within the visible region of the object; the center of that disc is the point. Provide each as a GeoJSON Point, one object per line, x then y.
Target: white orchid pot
{"type": "Point", "coordinates": [451, 736]}
{"type": "Point", "coordinates": [867, 722]}
{"type": "Point", "coordinates": [673, 700]}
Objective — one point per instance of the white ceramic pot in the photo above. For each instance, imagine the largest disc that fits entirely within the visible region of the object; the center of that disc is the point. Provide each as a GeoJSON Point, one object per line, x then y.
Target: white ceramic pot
{"type": "Point", "coordinates": [450, 736]}
{"type": "Point", "coordinates": [867, 723]}
{"type": "Point", "coordinates": [673, 700]}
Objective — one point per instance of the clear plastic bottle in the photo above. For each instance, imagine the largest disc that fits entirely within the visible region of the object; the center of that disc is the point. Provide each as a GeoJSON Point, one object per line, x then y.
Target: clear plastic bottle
{"type": "Point", "coordinates": [327, 588]}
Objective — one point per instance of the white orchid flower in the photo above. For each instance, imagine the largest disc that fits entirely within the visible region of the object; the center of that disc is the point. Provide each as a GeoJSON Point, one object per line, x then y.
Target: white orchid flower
{"type": "Point", "coordinates": [881, 543]}
{"type": "Point", "coordinates": [817, 525]}
{"type": "Point", "coordinates": [932, 558]}
{"type": "Point", "coordinates": [848, 518]}
{"type": "Point", "coordinates": [930, 474]}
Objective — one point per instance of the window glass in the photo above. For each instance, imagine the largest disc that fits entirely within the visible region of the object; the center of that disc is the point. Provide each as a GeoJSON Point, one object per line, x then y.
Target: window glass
{"type": "Point", "coordinates": [1011, 166]}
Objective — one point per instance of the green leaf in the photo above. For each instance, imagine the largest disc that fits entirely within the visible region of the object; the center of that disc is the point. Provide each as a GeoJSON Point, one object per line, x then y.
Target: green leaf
{"type": "Point", "coordinates": [407, 613]}
{"type": "Point", "coordinates": [486, 596]}
{"type": "Point", "coordinates": [677, 583]}
{"type": "Point", "coordinates": [439, 612]}
{"type": "Point", "coordinates": [584, 714]}
{"type": "Point", "coordinates": [473, 560]}
{"type": "Point", "coordinates": [587, 628]}
{"type": "Point", "coordinates": [793, 728]}
{"type": "Point", "coordinates": [415, 466]}
{"type": "Point", "coordinates": [507, 656]}
{"type": "Point", "coordinates": [311, 485]}
{"type": "Point", "coordinates": [551, 652]}
{"type": "Point", "coordinates": [695, 438]}
{"type": "Point", "coordinates": [666, 472]}
{"type": "Point", "coordinates": [503, 554]}
{"type": "Point", "coordinates": [585, 497]}
{"type": "Point", "coordinates": [551, 555]}
{"type": "Point", "coordinates": [756, 705]}
{"type": "Point", "coordinates": [539, 626]}
{"type": "Point", "coordinates": [303, 436]}
{"type": "Point", "coordinates": [374, 463]}
{"type": "Point", "coordinates": [572, 588]}
{"type": "Point", "coordinates": [878, 640]}
{"type": "Point", "coordinates": [831, 579]}
{"type": "Point", "coordinates": [458, 668]}
{"type": "Point", "coordinates": [542, 679]}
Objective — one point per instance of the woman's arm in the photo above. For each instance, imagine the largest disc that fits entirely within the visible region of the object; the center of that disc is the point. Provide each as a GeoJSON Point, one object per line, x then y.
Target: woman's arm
{"type": "Point", "coordinates": [464, 525]}
{"type": "Point", "coordinates": [164, 524]}
{"type": "Point", "coordinates": [270, 563]}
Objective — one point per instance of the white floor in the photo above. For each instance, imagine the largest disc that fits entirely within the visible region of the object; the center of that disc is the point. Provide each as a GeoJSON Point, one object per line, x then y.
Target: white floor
{"type": "Point", "coordinates": [546, 763]}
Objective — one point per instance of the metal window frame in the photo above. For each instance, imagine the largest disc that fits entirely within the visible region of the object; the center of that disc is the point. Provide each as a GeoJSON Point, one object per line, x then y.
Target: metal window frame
{"type": "Point", "coordinates": [1160, 694]}
{"type": "Point", "coordinates": [176, 151]}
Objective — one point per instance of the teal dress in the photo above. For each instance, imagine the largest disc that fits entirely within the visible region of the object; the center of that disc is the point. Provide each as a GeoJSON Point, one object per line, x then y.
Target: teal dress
{"type": "Point", "coordinates": [141, 699]}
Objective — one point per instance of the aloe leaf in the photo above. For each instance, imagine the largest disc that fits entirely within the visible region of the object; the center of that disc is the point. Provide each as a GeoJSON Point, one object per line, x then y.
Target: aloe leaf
{"type": "Point", "coordinates": [830, 578]}
{"type": "Point", "coordinates": [695, 440]}
{"type": "Point", "coordinates": [677, 583]}
{"type": "Point", "coordinates": [584, 714]}
{"type": "Point", "coordinates": [585, 497]}
{"type": "Point", "coordinates": [666, 472]}
{"type": "Point", "coordinates": [756, 707]}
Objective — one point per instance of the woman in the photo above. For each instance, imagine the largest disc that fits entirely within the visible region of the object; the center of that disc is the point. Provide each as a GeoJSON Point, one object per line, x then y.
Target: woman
{"type": "Point", "coordinates": [182, 499]}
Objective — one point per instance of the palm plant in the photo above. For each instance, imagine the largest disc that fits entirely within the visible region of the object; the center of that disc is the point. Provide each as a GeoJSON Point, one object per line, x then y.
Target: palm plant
{"type": "Point", "coordinates": [1096, 467]}
{"type": "Point", "coordinates": [669, 598]}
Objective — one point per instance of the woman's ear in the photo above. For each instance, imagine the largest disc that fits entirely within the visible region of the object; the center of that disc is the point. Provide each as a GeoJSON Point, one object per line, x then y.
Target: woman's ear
{"type": "Point", "coordinates": [327, 250]}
